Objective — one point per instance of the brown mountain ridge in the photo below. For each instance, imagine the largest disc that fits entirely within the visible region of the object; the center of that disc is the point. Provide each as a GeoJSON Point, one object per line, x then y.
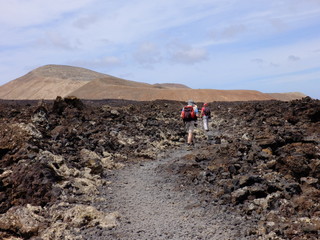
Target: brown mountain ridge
{"type": "Point", "coordinates": [50, 81]}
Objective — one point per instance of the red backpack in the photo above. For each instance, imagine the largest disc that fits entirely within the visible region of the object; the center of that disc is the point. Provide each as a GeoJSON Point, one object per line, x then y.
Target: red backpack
{"type": "Point", "coordinates": [207, 111]}
{"type": "Point", "coordinates": [188, 113]}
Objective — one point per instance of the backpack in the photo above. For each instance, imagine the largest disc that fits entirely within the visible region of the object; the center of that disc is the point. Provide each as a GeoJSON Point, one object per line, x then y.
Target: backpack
{"type": "Point", "coordinates": [188, 113]}
{"type": "Point", "coordinates": [207, 111]}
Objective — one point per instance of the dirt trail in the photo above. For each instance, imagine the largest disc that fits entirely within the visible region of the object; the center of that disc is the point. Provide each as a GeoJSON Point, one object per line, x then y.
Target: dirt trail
{"type": "Point", "coordinates": [152, 206]}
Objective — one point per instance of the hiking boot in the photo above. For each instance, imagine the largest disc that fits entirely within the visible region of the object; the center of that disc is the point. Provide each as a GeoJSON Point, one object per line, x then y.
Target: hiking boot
{"type": "Point", "coordinates": [189, 146]}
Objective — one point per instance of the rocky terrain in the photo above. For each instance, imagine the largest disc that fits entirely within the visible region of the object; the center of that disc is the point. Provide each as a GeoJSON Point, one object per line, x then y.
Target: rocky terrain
{"type": "Point", "coordinates": [49, 81]}
{"type": "Point", "coordinates": [111, 169]}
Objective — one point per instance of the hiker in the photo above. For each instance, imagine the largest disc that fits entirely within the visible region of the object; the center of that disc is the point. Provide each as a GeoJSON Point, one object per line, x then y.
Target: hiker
{"type": "Point", "coordinates": [189, 115]}
{"type": "Point", "coordinates": [195, 106]}
{"type": "Point", "coordinates": [205, 115]}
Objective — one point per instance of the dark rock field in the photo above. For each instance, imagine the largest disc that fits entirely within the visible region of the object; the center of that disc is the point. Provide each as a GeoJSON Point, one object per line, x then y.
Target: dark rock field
{"type": "Point", "coordinates": [261, 160]}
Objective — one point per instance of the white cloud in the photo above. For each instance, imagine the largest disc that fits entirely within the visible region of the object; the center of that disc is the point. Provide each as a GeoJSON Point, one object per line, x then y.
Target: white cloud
{"type": "Point", "coordinates": [24, 22]}
{"type": "Point", "coordinates": [21, 13]}
{"type": "Point", "coordinates": [84, 22]}
{"type": "Point", "coordinates": [186, 54]}
{"type": "Point", "coordinates": [138, 20]}
{"type": "Point", "coordinates": [278, 24]}
{"type": "Point", "coordinates": [189, 55]}
{"type": "Point", "coordinates": [229, 32]}
{"type": "Point", "coordinates": [147, 54]}
{"type": "Point", "coordinates": [258, 60]}
{"type": "Point", "coordinates": [293, 58]}
{"type": "Point", "coordinates": [107, 62]}
{"type": "Point", "coordinates": [55, 40]}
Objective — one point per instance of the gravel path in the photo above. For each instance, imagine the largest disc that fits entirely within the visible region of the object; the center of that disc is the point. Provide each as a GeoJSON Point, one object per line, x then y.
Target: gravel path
{"type": "Point", "coordinates": [152, 206]}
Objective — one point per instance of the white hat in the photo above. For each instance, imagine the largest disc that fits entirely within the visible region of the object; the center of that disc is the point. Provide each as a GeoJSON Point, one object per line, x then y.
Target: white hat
{"type": "Point", "coordinates": [190, 102]}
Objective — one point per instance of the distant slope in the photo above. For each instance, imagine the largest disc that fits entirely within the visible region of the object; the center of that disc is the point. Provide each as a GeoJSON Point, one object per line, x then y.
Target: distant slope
{"type": "Point", "coordinates": [287, 96]}
{"type": "Point", "coordinates": [101, 88]}
{"type": "Point", "coordinates": [95, 90]}
{"type": "Point", "coordinates": [170, 85]}
{"type": "Point", "coordinates": [50, 81]}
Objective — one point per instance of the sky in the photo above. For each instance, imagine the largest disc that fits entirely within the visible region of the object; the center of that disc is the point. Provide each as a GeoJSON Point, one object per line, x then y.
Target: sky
{"type": "Point", "coordinates": [265, 45]}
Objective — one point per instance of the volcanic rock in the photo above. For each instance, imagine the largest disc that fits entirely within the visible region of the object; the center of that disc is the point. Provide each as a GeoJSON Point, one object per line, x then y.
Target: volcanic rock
{"type": "Point", "coordinates": [57, 157]}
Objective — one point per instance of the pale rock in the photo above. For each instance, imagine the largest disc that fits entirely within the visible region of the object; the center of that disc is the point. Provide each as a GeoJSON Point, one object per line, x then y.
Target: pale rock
{"type": "Point", "coordinates": [83, 215]}
{"type": "Point", "coordinates": [85, 186]}
{"type": "Point", "coordinates": [124, 139]}
{"type": "Point", "coordinates": [271, 224]}
{"type": "Point", "coordinates": [264, 202]}
{"type": "Point", "coordinates": [108, 162]}
{"type": "Point", "coordinates": [24, 219]}
{"type": "Point", "coordinates": [57, 163]}
{"type": "Point", "coordinates": [252, 207]}
{"type": "Point", "coordinates": [114, 112]}
{"type": "Point", "coordinates": [245, 136]}
{"type": "Point", "coordinates": [309, 180]}
{"type": "Point", "coordinates": [29, 128]}
{"type": "Point", "coordinates": [65, 216]}
{"type": "Point", "coordinates": [5, 174]}
{"type": "Point", "coordinates": [39, 117]}
{"type": "Point", "coordinates": [59, 230]}
{"type": "Point", "coordinates": [81, 186]}
{"type": "Point", "coordinates": [239, 194]}
{"type": "Point", "coordinates": [92, 161]}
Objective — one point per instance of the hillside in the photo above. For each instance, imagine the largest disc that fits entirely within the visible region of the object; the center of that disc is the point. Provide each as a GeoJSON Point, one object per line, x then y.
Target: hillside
{"type": "Point", "coordinates": [94, 90]}
{"type": "Point", "coordinates": [50, 81]}
{"type": "Point", "coordinates": [170, 85]}
{"type": "Point", "coordinates": [287, 96]}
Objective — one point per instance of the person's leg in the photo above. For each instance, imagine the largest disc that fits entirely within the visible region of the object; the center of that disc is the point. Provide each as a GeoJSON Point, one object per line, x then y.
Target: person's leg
{"type": "Point", "coordinates": [190, 137]}
{"type": "Point", "coordinates": [190, 132]}
{"type": "Point", "coordinates": [205, 123]}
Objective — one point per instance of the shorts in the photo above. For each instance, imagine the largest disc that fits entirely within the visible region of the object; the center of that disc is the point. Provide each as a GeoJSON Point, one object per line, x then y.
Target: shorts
{"type": "Point", "coordinates": [189, 126]}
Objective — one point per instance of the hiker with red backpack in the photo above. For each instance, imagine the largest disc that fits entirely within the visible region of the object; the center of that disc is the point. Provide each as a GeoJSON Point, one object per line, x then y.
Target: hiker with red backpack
{"type": "Point", "coordinates": [205, 115]}
{"type": "Point", "coordinates": [189, 116]}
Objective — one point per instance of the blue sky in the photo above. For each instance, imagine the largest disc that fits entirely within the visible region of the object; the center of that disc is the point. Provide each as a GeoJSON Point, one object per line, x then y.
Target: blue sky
{"type": "Point", "coordinates": [264, 45]}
